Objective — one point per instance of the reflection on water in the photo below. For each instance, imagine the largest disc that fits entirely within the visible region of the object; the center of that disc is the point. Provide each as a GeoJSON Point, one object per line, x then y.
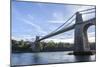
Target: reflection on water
{"type": "Point", "coordinates": [47, 57]}
{"type": "Point", "coordinates": [82, 58]}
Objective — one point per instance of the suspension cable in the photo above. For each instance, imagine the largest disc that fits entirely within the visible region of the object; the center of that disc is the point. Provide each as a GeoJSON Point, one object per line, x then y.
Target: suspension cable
{"type": "Point", "coordinates": [68, 23]}
{"type": "Point", "coordinates": [64, 23]}
{"type": "Point", "coordinates": [86, 10]}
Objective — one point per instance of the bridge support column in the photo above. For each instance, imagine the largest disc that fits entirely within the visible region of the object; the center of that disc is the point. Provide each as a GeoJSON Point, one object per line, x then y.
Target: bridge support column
{"type": "Point", "coordinates": [37, 44]}
{"type": "Point", "coordinates": [81, 40]}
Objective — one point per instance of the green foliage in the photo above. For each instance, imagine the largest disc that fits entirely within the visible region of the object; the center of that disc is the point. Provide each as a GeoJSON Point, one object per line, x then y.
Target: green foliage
{"type": "Point", "coordinates": [20, 46]}
{"type": "Point", "coordinates": [52, 46]}
{"type": "Point", "coordinates": [24, 46]}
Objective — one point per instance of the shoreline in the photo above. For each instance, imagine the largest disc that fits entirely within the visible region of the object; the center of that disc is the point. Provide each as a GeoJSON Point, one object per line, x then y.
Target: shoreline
{"type": "Point", "coordinates": [92, 52]}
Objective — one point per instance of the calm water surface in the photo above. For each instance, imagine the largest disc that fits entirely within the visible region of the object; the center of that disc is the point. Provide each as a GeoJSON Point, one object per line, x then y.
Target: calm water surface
{"type": "Point", "coordinates": [46, 58]}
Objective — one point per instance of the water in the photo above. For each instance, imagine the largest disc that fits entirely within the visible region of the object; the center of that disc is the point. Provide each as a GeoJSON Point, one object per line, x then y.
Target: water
{"type": "Point", "coordinates": [47, 58]}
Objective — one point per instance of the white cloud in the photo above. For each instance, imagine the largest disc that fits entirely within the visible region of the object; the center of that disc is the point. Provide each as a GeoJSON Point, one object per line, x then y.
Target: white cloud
{"type": "Point", "coordinates": [91, 34]}
{"type": "Point", "coordinates": [23, 37]}
{"type": "Point", "coordinates": [30, 17]}
{"type": "Point", "coordinates": [92, 39]}
{"type": "Point", "coordinates": [58, 17]}
{"type": "Point", "coordinates": [60, 40]}
{"type": "Point", "coordinates": [37, 27]}
{"type": "Point", "coordinates": [69, 40]}
{"type": "Point", "coordinates": [56, 21]}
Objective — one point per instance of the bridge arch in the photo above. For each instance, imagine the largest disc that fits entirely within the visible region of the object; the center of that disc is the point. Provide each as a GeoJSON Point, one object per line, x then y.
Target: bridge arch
{"type": "Point", "coordinates": [91, 33]}
{"type": "Point", "coordinates": [86, 28]}
{"type": "Point", "coordinates": [85, 36]}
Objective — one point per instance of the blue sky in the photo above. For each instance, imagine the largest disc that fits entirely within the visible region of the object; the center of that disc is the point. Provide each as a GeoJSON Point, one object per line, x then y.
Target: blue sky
{"type": "Point", "coordinates": [30, 19]}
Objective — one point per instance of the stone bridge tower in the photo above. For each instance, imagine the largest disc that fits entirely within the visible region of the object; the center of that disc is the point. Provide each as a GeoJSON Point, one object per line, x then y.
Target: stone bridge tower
{"type": "Point", "coordinates": [36, 44]}
{"type": "Point", "coordinates": [81, 38]}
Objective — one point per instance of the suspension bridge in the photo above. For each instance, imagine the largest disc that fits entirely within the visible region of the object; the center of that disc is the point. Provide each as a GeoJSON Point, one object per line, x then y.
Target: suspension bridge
{"type": "Point", "coordinates": [80, 27]}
